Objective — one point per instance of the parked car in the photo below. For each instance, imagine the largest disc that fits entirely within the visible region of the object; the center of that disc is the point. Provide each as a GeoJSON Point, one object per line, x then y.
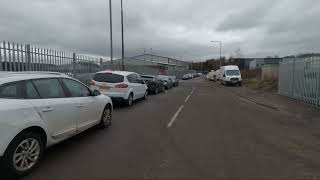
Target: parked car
{"type": "Point", "coordinates": [154, 83]}
{"type": "Point", "coordinates": [230, 75]}
{"type": "Point", "coordinates": [187, 76]}
{"type": "Point", "coordinates": [175, 81]}
{"type": "Point", "coordinates": [39, 110]}
{"type": "Point", "coordinates": [166, 81]}
{"type": "Point", "coordinates": [121, 86]}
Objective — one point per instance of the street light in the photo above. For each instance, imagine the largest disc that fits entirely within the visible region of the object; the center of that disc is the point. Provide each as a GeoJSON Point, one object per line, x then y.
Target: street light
{"type": "Point", "coordinates": [111, 40]}
{"type": "Point", "coordinates": [220, 43]}
{"type": "Point", "coordinates": [122, 35]}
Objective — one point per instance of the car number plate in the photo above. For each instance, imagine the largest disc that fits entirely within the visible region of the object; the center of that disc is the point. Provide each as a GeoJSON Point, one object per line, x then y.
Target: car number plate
{"type": "Point", "coordinates": [104, 88]}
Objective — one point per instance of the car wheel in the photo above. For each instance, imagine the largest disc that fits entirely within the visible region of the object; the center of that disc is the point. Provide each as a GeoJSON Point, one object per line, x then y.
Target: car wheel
{"type": "Point", "coordinates": [23, 154]}
{"type": "Point", "coordinates": [145, 95]}
{"type": "Point", "coordinates": [130, 100]}
{"type": "Point", "coordinates": [106, 117]}
{"type": "Point", "coordinates": [240, 84]}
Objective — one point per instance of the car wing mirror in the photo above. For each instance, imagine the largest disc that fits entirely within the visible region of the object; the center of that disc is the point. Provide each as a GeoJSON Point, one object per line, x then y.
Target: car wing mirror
{"type": "Point", "coordinates": [96, 93]}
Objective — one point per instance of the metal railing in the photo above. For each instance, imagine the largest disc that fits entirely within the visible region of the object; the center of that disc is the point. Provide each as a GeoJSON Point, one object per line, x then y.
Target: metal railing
{"type": "Point", "coordinates": [18, 57]}
{"type": "Point", "coordinates": [299, 78]}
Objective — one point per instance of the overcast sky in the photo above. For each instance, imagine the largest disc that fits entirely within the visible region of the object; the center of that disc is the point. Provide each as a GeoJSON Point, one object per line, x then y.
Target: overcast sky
{"type": "Point", "coordinates": [172, 28]}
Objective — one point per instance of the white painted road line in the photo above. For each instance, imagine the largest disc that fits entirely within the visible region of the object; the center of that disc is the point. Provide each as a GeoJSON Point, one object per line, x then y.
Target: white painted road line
{"type": "Point", "coordinates": [187, 98]}
{"type": "Point", "coordinates": [174, 118]}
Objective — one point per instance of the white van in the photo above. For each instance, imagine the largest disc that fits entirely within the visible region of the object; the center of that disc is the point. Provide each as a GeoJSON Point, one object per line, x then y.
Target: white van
{"type": "Point", "coordinates": [230, 75]}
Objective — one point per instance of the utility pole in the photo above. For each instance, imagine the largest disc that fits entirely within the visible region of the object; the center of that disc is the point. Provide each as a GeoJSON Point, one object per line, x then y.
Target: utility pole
{"type": "Point", "coordinates": [122, 35]}
{"type": "Point", "coordinates": [111, 39]}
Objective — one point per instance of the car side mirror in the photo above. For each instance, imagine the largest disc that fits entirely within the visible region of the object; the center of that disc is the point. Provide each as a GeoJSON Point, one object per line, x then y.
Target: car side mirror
{"type": "Point", "coordinates": [96, 93]}
{"type": "Point", "coordinates": [224, 75]}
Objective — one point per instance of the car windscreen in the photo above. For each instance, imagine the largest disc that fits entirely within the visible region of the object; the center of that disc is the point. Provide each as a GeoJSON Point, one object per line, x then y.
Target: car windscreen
{"type": "Point", "coordinates": [232, 72]}
{"type": "Point", "coordinates": [108, 78]}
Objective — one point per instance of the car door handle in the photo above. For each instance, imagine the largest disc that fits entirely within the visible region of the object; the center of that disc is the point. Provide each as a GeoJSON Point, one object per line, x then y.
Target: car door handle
{"type": "Point", "coordinates": [80, 105]}
{"type": "Point", "coordinates": [48, 109]}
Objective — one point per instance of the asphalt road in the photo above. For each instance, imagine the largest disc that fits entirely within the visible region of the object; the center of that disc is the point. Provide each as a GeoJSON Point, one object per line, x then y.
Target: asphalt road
{"type": "Point", "coordinates": [198, 130]}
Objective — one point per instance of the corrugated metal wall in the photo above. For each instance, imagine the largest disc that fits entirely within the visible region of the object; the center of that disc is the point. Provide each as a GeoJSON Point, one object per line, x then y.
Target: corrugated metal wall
{"type": "Point", "coordinates": [299, 78]}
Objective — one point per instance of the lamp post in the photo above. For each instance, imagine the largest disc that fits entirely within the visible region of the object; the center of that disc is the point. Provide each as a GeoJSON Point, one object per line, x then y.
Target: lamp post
{"type": "Point", "coordinates": [111, 40]}
{"type": "Point", "coordinates": [220, 43]}
{"type": "Point", "coordinates": [122, 35]}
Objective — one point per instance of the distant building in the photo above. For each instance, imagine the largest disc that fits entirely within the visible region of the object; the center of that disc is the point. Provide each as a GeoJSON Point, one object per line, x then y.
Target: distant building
{"type": "Point", "coordinates": [257, 63]}
{"type": "Point", "coordinates": [243, 63]}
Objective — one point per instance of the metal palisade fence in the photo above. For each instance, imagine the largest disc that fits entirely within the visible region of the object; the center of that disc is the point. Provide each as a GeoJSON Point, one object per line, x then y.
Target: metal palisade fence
{"type": "Point", "coordinates": [19, 57]}
{"type": "Point", "coordinates": [299, 78]}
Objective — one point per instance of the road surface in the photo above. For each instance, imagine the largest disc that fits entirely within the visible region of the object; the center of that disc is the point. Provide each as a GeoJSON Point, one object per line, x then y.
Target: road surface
{"type": "Point", "coordinates": [198, 130]}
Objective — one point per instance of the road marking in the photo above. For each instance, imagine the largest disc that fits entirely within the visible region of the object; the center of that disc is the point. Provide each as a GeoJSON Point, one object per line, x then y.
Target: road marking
{"type": "Point", "coordinates": [174, 118]}
{"type": "Point", "coordinates": [187, 99]}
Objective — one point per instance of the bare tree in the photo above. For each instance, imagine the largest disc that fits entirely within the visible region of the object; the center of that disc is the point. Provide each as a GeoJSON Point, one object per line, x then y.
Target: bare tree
{"type": "Point", "coordinates": [238, 53]}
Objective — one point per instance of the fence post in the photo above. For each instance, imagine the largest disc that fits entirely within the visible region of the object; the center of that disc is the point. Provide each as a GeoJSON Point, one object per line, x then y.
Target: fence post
{"type": "Point", "coordinates": [74, 61]}
{"type": "Point", "coordinates": [101, 64]}
{"type": "Point", "coordinates": [0, 59]}
{"type": "Point", "coordinates": [293, 76]}
{"type": "Point", "coordinates": [28, 56]}
{"type": "Point", "coordinates": [318, 90]}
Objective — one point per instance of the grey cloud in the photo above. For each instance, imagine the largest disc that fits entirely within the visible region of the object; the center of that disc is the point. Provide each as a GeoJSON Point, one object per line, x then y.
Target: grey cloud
{"type": "Point", "coordinates": [246, 18]}
{"type": "Point", "coordinates": [172, 28]}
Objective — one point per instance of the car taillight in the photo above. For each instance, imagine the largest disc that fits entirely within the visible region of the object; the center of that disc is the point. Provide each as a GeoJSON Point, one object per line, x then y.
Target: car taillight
{"type": "Point", "coordinates": [92, 83]}
{"type": "Point", "coordinates": [122, 86]}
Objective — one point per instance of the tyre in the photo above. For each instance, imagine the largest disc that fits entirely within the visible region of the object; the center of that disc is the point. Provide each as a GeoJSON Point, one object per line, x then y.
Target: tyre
{"type": "Point", "coordinates": [106, 117]}
{"type": "Point", "coordinates": [240, 84]}
{"type": "Point", "coordinates": [145, 95]}
{"type": "Point", "coordinates": [23, 154]}
{"type": "Point", "coordinates": [130, 100]}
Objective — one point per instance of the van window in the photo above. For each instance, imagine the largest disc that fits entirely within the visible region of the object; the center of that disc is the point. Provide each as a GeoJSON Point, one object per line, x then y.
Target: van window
{"type": "Point", "coordinates": [108, 78]}
{"type": "Point", "coordinates": [232, 72]}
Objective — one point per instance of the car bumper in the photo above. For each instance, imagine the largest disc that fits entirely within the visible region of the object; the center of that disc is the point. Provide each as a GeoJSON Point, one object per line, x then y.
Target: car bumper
{"type": "Point", "coordinates": [118, 99]}
{"type": "Point", "coordinates": [115, 95]}
{"type": "Point", "coordinates": [152, 89]}
{"type": "Point", "coordinates": [234, 82]}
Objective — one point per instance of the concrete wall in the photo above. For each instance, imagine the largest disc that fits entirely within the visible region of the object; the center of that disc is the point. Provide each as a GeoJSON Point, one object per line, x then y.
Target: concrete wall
{"type": "Point", "coordinates": [270, 72]}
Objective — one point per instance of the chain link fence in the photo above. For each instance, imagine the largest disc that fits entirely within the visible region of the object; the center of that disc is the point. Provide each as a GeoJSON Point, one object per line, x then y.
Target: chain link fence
{"type": "Point", "coordinates": [299, 78]}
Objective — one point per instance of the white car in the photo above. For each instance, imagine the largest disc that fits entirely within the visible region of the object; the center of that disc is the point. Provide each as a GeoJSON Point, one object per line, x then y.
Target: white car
{"type": "Point", "coordinates": [38, 110]}
{"type": "Point", "coordinates": [120, 85]}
